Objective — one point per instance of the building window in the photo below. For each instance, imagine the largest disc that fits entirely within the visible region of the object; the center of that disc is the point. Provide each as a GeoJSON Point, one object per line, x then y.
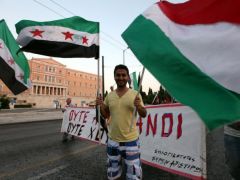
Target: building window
{"type": "Point", "coordinates": [46, 77]}
{"type": "Point", "coordinates": [53, 79]}
{"type": "Point", "coordinates": [38, 78]}
{"type": "Point", "coordinates": [46, 68]}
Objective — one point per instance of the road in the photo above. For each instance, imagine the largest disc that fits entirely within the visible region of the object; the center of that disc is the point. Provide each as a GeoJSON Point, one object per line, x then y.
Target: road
{"type": "Point", "coordinates": [31, 151]}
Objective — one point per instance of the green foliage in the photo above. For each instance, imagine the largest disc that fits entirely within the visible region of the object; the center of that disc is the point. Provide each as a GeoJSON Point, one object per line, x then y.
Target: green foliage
{"type": "Point", "coordinates": [4, 101]}
{"type": "Point", "coordinates": [150, 96]}
{"type": "Point", "coordinates": [161, 97]}
{"type": "Point", "coordinates": [161, 94]}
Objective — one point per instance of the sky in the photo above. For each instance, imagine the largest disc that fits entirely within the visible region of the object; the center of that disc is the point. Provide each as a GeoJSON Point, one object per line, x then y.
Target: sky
{"type": "Point", "coordinates": [114, 17]}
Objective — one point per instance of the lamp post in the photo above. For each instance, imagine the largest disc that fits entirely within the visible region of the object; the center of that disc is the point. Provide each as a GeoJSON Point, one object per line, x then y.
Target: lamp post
{"type": "Point", "coordinates": [124, 55]}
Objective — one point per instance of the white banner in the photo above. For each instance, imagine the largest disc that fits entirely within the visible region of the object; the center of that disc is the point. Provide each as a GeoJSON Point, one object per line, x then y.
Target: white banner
{"type": "Point", "coordinates": [172, 137]}
{"type": "Point", "coordinates": [81, 122]}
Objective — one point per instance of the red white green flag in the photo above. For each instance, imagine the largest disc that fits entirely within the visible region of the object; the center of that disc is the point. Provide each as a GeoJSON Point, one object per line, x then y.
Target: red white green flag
{"type": "Point", "coordinates": [14, 68]}
{"type": "Point", "coordinates": [70, 37]}
{"type": "Point", "coordinates": [192, 48]}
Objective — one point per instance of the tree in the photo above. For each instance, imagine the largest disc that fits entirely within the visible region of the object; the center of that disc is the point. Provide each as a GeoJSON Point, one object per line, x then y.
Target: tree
{"type": "Point", "coordinates": [167, 97]}
{"type": "Point", "coordinates": [150, 96]}
{"type": "Point", "coordinates": [161, 94]}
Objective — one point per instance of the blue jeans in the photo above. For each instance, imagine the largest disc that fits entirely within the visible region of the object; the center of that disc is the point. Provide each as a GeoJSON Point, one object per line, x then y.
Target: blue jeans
{"type": "Point", "coordinates": [232, 155]}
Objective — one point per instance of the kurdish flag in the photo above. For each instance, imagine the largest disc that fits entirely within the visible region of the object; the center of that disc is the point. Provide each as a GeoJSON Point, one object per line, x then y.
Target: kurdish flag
{"type": "Point", "coordinates": [70, 37]}
{"type": "Point", "coordinates": [133, 81]}
{"type": "Point", "coordinates": [192, 48]}
{"type": "Point", "coordinates": [14, 68]}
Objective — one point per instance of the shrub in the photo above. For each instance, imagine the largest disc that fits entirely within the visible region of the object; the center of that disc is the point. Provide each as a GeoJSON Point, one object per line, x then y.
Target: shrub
{"type": "Point", "coordinates": [22, 105]}
{"type": "Point", "coordinates": [4, 101]}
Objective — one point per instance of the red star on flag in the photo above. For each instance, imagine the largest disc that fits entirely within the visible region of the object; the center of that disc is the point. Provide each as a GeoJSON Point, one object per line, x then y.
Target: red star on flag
{"type": "Point", "coordinates": [20, 76]}
{"type": "Point", "coordinates": [37, 32]}
{"type": "Point", "coordinates": [11, 61]}
{"type": "Point", "coordinates": [1, 45]}
{"type": "Point", "coordinates": [68, 35]}
{"type": "Point", "coordinates": [84, 40]}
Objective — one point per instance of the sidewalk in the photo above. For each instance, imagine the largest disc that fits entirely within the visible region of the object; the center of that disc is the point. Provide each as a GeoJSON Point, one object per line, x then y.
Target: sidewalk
{"type": "Point", "coordinates": [29, 115]}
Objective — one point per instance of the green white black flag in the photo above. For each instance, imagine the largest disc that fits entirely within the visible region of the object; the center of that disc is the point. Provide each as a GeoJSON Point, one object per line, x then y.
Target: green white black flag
{"type": "Point", "coordinates": [14, 68]}
{"type": "Point", "coordinates": [70, 37]}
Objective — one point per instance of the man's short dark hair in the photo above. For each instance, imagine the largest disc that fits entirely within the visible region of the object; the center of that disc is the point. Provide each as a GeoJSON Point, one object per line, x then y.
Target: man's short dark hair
{"type": "Point", "coordinates": [121, 66]}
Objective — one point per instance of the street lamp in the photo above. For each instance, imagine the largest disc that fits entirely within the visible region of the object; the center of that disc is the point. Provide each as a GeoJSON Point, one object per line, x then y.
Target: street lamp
{"type": "Point", "coordinates": [124, 55]}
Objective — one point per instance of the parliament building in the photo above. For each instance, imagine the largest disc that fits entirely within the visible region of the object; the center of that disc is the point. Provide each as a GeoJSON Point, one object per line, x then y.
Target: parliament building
{"type": "Point", "coordinates": [52, 82]}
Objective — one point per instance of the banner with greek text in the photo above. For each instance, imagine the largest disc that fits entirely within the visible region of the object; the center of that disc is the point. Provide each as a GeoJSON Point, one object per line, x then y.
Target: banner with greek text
{"type": "Point", "coordinates": [81, 122]}
{"type": "Point", "coordinates": [172, 137]}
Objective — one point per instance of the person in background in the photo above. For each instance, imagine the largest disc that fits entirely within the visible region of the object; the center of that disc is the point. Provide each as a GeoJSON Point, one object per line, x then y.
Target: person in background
{"type": "Point", "coordinates": [122, 143]}
{"type": "Point", "coordinates": [111, 88]}
{"type": "Point", "coordinates": [68, 104]}
{"type": "Point", "coordinates": [232, 148]}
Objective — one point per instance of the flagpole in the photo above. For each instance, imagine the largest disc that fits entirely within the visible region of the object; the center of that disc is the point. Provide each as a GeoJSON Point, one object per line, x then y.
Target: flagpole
{"type": "Point", "coordinates": [155, 97]}
{"type": "Point", "coordinates": [135, 109]}
{"type": "Point", "coordinates": [98, 95]}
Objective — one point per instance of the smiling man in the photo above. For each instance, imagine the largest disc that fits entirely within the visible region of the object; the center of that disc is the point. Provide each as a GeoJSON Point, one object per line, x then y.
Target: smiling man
{"type": "Point", "coordinates": [122, 143]}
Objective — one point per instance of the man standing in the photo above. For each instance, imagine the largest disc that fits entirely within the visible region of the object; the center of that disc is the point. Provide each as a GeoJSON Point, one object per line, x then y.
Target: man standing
{"type": "Point", "coordinates": [68, 104]}
{"type": "Point", "coordinates": [122, 143]}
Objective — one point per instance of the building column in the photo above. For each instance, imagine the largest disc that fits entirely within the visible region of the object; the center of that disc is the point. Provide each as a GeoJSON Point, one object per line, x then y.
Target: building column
{"type": "Point", "coordinates": [44, 90]}
{"type": "Point", "coordinates": [41, 90]}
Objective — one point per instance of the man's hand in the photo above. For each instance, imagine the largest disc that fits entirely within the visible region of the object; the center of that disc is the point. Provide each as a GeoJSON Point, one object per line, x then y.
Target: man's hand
{"type": "Point", "coordinates": [137, 102]}
{"type": "Point", "coordinates": [140, 109]}
{"type": "Point", "coordinates": [99, 100]}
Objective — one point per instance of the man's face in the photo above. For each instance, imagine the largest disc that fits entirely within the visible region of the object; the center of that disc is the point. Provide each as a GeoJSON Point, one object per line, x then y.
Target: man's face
{"type": "Point", "coordinates": [121, 77]}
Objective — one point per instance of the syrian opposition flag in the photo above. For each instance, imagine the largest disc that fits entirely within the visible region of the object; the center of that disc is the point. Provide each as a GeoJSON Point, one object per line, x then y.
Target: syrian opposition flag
{"type": "Point", "coordinates": [193, 49]}
{"type": "Point", "coordinates": [133, 81]}
{"type": "Point", "coordinates": [70, 37]}
{"type": "Point", "coordinates": [14, 68]}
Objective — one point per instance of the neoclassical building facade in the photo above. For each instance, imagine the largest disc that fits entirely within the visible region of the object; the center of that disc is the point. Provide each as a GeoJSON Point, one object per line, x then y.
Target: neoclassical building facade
{"type": "Point", "coordinates": [53, 82]}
